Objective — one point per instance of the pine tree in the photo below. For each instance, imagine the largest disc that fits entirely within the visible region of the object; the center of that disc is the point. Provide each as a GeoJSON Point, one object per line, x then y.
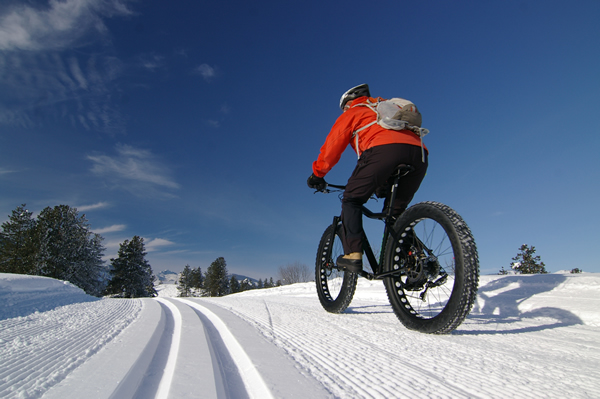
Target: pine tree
{"type": "Point", "coordinates": [215, 281]}
{"type": "Point", "coordinates": [234, 285]}
{"type": "Point", "coordinates": [576, 270]}
{"type": "Point", "coordinates": [526, 263]}
{"type": "Point", "coordinates": [503, 271]}
{"type": "Point", "coordinates": [197, 279]}
{"type": "Point", "coordinates": [68, 250]}
{"type": "Point", "coordinates": [18, 247]}
{"type": "Point", "coordinates": [131, 274]}
{"type": "Point", "coordinates": [92, 275]}
{"type": "Point", "coordinates": [184, 283]}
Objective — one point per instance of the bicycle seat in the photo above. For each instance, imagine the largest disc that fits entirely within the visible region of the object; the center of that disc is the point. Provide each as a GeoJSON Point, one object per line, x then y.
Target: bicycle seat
{"type": "Point", "coordinates": [403, 169]}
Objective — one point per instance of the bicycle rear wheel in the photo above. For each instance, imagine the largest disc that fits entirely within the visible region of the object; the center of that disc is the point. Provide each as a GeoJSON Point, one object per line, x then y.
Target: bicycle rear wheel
{"type": "Point", "coordinates": [435, 255]}
{"type": "Point", "coordinates": [335, 288]}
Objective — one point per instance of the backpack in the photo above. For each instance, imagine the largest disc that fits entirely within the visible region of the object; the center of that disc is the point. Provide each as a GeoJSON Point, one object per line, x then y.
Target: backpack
{"type": "Point", "coordinates": [395, 114]}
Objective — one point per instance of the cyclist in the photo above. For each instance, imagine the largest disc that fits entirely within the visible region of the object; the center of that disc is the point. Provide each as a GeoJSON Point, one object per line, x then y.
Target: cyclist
{"type": "Point", "coordinates": [379, 152]}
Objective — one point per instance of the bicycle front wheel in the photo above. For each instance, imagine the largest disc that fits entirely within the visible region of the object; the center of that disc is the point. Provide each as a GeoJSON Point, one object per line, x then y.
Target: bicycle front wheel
{"type": "Point", "coordinates": [334, 287]}
{"type": "Point", "coordinates": [434, 253]}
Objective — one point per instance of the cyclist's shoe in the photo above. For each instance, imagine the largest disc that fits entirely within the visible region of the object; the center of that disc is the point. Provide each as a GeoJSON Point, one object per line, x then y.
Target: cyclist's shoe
{"type": "Point", "coordinates": [349, 264]}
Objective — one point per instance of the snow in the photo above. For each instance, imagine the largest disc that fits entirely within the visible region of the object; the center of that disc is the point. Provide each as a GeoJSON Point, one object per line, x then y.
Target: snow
{"type": "Point", "coordinates": [527, 336]}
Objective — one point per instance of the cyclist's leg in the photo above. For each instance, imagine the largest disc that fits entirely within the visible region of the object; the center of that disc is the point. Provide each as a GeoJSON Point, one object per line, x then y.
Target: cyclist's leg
{"type": "Point", "coordinates": [372, 171]}
{"type": "Point", "coordinates": [409, 184]}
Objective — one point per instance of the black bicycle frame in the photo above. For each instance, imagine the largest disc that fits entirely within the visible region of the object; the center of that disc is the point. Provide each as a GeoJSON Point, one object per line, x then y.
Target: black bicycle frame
{"type": "Point", "coordinates": [388, 220]}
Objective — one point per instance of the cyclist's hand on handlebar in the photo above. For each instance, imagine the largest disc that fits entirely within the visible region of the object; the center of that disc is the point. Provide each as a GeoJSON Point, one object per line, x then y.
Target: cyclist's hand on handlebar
{"type": "Point", "coordinates": [318, 183]}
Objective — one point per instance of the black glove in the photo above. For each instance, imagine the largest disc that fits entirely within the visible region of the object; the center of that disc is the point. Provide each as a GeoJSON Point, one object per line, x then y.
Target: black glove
{"type": "Point", "coordinates": [318, 183]}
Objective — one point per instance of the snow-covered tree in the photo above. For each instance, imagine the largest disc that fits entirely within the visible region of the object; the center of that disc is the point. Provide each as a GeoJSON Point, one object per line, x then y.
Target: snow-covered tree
{"type": "Point", "coordinates": [526, 263]}
{"type": "Point", "coordinates": [131, 274]}
{"type": "Point", "coordinates": [18, 248]}
{"type": "Point", "coordinates": [190, 281]}
{"type": "Point", "coordinates": [92, 275]}
{"type": "Point", "coordinates": [68, 250]}
{"type": "Point", "coordinates": [216, 282]}
{"type": "Point", "coordinates": [246, 285]}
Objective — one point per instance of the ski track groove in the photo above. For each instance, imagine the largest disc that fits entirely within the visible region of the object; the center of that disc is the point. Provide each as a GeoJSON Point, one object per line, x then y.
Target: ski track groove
{"type": "Point", "coordinates": [44, 347]}
{"type": "Point", "coordinates": [169, 370]}
{"type": "Point", "coordinates": [68, 347]}
{"type": "Point", "coordinates": [321, 345]}
{"type": "Point", "coordinates": [42, 355]}
{"type": "Point", "coordinates": [253, 381]}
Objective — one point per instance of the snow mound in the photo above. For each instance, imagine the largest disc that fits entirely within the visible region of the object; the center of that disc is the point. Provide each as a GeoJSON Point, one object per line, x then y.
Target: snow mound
{"type": "Point", "coordinates": [22, 295]}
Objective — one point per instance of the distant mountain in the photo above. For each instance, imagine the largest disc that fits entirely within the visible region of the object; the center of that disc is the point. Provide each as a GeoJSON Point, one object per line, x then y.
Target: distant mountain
{"type": "Point", "coordinates": [167, 277]}
{"type": "Point", "coordinates": [241, 278]}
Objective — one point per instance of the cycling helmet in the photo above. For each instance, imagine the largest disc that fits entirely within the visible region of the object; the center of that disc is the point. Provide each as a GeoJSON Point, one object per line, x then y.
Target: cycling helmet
{"type": "Point", "coordinates": [355, 92]}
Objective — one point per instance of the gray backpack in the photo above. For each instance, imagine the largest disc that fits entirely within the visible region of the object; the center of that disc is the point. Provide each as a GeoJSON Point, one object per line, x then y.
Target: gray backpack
{"type": "Point", "coordinates": [395, 114]}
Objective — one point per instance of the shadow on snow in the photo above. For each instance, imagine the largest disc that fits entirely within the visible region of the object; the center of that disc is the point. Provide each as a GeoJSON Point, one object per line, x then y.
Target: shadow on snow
{"type": "Point", "coordinates": [503, 310]}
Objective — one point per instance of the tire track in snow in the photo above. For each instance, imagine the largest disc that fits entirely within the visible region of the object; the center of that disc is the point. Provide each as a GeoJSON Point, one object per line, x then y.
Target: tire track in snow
{"type": "Point", "coordinates": [169, 370]}
{"type": "Point", "coordinates": [165, 353]}
{"type": "Point", "coordinates": [185, 362]}
{"type": "Point", "coordinates": [253, 381]}
{"type": "Point", "coordinates": [360, 353]}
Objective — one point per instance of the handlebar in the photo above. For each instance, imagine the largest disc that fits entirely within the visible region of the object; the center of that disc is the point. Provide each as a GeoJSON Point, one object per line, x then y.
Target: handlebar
{"type": "Point", "coordinates": [336, 186]}
{"type": "Point", "coordinates": [326, 189]}
{"type": "Point", "coordinates": [401, 171]}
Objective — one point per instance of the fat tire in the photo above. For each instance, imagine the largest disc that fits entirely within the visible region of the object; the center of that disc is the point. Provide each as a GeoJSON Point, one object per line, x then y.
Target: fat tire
{"type": "Point", "coordinates": [335, 288]}
{"type": "Point", "coordinates": [463, 274]}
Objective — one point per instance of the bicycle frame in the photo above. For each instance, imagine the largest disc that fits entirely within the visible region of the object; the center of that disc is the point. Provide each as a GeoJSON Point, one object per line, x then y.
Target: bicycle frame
{"type": "Point", "coordinates": [388, 220]}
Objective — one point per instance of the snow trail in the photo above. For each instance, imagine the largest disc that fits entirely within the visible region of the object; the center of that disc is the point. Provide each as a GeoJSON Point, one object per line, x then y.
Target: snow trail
{"type": "Point", "coordinates": [528, 336]}
{"type": "Point", "coordinates": [41, 349]}
{"type": "Point", "coordinates": [169, 371]}
{"type": "Point", "coordinates": [253, 381]}
{"type": "Point", "coordinates": [366, 352]}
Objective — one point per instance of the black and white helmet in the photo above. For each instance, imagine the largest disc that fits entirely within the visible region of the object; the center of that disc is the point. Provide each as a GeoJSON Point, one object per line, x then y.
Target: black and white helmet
{"type": "Point", "coordinates": [355, 92]}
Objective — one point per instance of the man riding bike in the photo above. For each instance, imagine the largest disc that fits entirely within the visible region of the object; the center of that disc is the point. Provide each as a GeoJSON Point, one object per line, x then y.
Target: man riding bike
{"type": "Point", "coordinates": [379, 151]}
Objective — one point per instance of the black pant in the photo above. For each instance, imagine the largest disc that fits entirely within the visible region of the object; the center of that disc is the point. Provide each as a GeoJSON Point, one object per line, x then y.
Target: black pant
{"type": "Point", "coordinates": [372, 171]}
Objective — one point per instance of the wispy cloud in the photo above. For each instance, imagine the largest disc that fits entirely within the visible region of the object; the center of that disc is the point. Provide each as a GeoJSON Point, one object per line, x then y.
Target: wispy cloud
{"type": "Point", "coordinates": [134, 169]}
{"type": "Point", "coordinates": [41, 81]}
{"type": "Point", "coordinates": [152, 62]}
{"type": "Point", "coordinates": [60, 25]}
{"type": "Point", "coordinates": [99, 205]}
{"type": "Point", "coordinates": [156, 244]}
{"type": "Point", "coordinates": [4, 171]}
{"type": "Point", "coordinates": [111, 229]}
{"type": "Point", "coordinates": [206, 71]}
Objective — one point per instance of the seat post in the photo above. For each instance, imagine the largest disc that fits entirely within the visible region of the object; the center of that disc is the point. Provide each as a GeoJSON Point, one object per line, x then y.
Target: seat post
{"type": "Point", "coordinates": [401, 171]}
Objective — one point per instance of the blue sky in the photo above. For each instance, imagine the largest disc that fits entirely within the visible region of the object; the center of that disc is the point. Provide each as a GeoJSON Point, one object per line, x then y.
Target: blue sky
{"type": "Point", "coordinates": [194, 124]}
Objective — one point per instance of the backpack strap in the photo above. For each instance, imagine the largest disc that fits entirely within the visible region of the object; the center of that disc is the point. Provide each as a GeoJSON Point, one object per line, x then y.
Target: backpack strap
{"type": "Point", "coordinates": [372, 107]}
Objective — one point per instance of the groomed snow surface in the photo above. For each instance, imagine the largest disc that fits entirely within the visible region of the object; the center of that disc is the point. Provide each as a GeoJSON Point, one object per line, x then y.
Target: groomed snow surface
{"type": "Point", "coordinates": [527, 337]}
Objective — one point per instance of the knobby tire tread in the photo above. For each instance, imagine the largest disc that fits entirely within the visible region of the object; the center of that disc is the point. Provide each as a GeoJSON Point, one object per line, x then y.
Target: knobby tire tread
{"type": "Point", "coordinates": [324, 266]}
{"type": "Point", "coordinates": [466, 274]}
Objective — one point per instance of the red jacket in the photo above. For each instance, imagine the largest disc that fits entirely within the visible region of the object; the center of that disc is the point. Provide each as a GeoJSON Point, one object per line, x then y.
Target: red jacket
{"type": "Point", "coordinates": [341, 135]}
